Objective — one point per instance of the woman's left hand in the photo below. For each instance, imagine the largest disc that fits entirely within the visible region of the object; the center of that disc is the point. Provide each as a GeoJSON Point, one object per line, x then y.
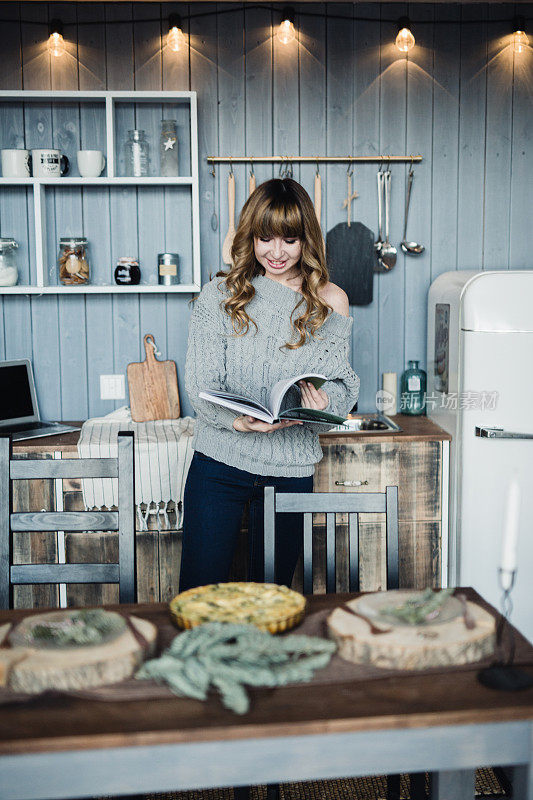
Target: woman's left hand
{"type": "Point", "coordinates": [312, 397]}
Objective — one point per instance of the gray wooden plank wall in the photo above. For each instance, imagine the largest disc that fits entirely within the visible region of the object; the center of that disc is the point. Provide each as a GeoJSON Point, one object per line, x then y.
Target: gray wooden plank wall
{"type": "Point", "coordinates": [460, 99]}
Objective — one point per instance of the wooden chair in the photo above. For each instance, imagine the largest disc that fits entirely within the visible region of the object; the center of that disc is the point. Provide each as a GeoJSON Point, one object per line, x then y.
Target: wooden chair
{"type": "Point", "coordinates": [122, 520]}
{"type": "Point", "coordinates": [332, 503]}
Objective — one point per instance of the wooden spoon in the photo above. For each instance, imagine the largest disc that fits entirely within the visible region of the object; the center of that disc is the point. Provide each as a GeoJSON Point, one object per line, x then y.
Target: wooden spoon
{"type": "Point", "coordinates": [318, 196]}
{"type": "Point", "coordinates": [318, 203]}
{"type": "Point", "coordinates": [251, 183]}
{"type": "Point", "coordinates": [226, 247]}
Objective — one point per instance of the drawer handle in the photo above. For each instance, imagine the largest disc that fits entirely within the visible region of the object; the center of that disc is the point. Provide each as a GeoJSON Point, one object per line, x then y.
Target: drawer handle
{"type": "Point", "coordinates": [351, 483]}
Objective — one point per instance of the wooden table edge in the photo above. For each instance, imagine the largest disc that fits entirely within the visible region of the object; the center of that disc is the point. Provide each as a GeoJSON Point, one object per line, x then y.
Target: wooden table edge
{"type": "Point", "coordinates": [263, 731]}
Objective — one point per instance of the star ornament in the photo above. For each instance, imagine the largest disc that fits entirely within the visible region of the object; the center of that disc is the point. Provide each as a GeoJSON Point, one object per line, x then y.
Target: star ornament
{"type": "Point", "coordinates": [169, 144]}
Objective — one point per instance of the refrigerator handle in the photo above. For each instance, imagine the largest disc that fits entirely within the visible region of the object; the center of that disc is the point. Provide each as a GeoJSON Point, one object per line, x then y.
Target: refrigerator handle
{"type": "Point", "coordinates": [499, 433]}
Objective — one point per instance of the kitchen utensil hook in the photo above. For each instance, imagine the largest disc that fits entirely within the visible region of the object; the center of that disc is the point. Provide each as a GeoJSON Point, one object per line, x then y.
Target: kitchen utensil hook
{"type": "Point", "coordinates": [349, 171]}
{"type": "Point", "coordinates": [231, 166]}
{"type": "Point", "coordinates": [213, 173]}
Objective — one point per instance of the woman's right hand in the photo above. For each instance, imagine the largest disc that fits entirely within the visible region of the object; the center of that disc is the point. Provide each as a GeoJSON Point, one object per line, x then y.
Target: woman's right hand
{"type": "Point", "coordinates": [247, 424]}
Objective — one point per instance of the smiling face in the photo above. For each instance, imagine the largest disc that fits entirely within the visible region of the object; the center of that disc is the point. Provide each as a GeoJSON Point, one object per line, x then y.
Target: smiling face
{"type": "Point", "coordinates": [279, 256]}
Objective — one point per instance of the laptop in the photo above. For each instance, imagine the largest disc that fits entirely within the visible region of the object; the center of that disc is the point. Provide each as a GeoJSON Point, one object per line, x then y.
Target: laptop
{"type": "Point", "coordinates": [19, 412]}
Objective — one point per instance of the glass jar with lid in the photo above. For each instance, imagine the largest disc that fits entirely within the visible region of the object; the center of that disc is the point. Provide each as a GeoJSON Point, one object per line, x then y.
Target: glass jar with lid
{"type": "Point", "coordinates": [73, 260]}
{"type": "Point", "coordinates": [8, 262]}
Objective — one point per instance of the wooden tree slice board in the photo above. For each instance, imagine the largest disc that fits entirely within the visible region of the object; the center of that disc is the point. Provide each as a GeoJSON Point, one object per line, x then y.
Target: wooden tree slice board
{"type": "Point", "coordinates": [153, 387]}
{"type": "Point", "coordinates": [413, 647]}
{"type": "Point", "coordinates": [32, 670]}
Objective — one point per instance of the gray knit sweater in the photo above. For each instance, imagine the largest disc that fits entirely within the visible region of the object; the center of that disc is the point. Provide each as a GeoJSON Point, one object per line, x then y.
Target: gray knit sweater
{"type": "Point", "coordinates": [251, 364]}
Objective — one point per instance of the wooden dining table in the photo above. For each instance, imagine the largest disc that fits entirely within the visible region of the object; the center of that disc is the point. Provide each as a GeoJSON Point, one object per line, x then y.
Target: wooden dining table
{"type": "Point", "coordinates": [59, 746]}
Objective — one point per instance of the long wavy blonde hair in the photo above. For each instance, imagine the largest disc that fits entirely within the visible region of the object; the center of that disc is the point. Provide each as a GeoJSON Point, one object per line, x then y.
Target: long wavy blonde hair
{"type": "Point", "coordinates": [278, 207]}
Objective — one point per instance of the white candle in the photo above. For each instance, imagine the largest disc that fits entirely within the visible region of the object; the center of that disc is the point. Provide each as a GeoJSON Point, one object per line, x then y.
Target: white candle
{"type": "Point", "coordinates": [389, 385]}
{"type": "Point", "coordinates": [510, 532]}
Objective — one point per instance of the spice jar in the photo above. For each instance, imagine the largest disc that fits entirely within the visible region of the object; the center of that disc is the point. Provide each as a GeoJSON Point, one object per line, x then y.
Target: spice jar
{"type": "Point", "coordinates": [127, 272]}
{"type": "Point", "coordinates": [8, 262]}
{"type": "Point", "coordinates": [73, 260]}
{"type": "Point", "coordinates": [168, 268]}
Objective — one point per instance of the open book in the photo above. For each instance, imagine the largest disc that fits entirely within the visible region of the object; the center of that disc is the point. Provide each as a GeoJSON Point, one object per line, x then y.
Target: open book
{"type": "Point", "coordinates": [271, 412]}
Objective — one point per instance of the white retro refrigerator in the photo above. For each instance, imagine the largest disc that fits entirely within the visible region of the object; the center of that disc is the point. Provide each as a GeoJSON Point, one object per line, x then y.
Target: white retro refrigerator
{"type": "Point", "coordinates": [480, 389]}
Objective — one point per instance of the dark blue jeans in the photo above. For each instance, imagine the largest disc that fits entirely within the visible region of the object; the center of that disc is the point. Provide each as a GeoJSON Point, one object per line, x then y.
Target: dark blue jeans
{"type": "Point", "coordinates": [213, 503]}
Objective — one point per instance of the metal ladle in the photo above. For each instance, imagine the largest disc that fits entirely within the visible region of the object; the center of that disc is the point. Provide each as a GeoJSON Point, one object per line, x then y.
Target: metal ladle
{"type": "Point", "coordinates": [411, 248]}
{"type": "Point", "coordinates": [387, 253]}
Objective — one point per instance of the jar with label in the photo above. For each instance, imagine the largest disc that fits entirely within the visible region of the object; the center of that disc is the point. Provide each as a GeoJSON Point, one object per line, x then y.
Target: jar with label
{"type": "Point", "coordinates": [413, 390]}
{"type": "Point", "coordinates": [8, 262]}
{"type": "Point", "coordinates": [168, 268]}
{"type": "Point", "coordinates": [73, 260]}
{"type": "Point", "coordinates": [137, 155]}
{"type": "Point", "coordinates": [127, 272]}
{"type": "Point", "coordinates": [168, 147]}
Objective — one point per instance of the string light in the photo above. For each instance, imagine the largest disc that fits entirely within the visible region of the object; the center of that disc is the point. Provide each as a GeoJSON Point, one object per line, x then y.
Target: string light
{"type": "Point", "coordinates": [286, 32]}
{"type": "Point", "coordinates": [175, 38]}
{"type": "Point", "coordinates": [520, 39]}
{"type": "Point", "coordinates": [405, 40]}
{"type": "Point", "coordinates": [56, 43]}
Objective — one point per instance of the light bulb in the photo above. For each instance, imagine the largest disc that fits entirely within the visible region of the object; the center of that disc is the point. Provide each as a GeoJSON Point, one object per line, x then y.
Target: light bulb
{"type": "Point", "coordinates": [520, 40]}
{"type": "Point", "coordinates": [405, 40]}
{"type": "Point", "coordinates": [175, 38]}
{"type": "Point", "coordinates": [286, 32]}
{"type": "Point", "coordinates": [56, 43]}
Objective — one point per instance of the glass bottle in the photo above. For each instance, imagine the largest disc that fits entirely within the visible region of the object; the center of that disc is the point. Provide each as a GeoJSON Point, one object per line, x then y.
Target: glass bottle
{"type": "Point", "coordinates": [73, 260]}
{"type": "Point", "coordinates": [8, 262]}
{"type": "Point", "coordinates": [168, 148]}
{"type": "Point", "coordinates": [137, 155]}
{"type": "Point", "coordinates": [413, 390]}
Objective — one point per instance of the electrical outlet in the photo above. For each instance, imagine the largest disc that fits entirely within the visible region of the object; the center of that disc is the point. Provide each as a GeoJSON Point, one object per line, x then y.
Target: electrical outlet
{"type": "Point", "coordinates": [112, 387]}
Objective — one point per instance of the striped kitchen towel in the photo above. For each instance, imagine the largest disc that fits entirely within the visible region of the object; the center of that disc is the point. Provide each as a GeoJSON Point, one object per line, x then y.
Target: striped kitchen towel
{"type": "Point", "coordinates": [163, 453]}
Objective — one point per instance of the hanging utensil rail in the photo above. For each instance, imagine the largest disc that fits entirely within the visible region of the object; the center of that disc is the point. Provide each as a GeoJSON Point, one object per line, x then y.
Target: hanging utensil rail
{"type": "Point", "coordinates": [381, 159]}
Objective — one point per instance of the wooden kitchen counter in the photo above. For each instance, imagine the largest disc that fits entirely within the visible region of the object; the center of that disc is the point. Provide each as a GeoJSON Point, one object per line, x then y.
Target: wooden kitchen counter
{"type": "Point", "coordinates": [414, 459]}
{"type": "Point", "coordinates": [413, 428]}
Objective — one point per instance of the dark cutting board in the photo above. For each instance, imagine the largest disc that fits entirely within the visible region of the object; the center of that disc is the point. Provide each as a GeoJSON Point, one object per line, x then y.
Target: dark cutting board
{"type": "Point", "coordinates": [350, 258]}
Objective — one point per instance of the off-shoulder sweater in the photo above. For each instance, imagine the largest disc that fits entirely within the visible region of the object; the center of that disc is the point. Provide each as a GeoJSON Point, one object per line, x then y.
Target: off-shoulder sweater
{"type": "Point", "coordinates": [251, 364]}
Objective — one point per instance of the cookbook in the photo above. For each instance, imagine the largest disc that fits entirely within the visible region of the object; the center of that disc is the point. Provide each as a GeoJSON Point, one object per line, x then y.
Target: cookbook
{"type": "Point", "coordinates": [271, 412]}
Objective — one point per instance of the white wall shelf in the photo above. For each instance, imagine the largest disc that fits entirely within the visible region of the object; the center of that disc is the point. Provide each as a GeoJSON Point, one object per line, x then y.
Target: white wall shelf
{"type": "Point", "coordinates": [91, 288]}
{"type": "Point", "coordinates": [114, 107]}
{"type": "Point", "coordinates": [104, 181]}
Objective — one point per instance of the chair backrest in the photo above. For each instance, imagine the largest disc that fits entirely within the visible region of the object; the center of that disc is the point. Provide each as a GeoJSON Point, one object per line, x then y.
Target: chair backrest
{"type": "Point", "coordinates": [332, 503]}
{"type": "Point", "coordinates": [123, 520]}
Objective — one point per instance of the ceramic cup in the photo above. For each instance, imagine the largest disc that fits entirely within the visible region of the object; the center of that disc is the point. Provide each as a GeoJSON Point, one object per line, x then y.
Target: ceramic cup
{"type": "Point", "coordinates": [90, 163]}
{"type": "Point", "coordinates": [49, 163]}
{"type": "Point", "coordinates": [16, 163]}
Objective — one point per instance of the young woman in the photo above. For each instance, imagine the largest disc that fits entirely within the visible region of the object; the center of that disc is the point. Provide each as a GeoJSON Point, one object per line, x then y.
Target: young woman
{"type": "Point", "coordinates": [272, 316]}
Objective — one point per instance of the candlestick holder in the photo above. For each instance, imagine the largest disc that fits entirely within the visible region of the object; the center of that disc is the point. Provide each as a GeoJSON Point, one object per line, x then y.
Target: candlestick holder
{"type": "Point", "coordinates": [502, 674]}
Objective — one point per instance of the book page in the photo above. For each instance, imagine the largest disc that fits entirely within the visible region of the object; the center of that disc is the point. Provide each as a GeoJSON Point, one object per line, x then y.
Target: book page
{"type": "Point", "coordinates": [234, 404]}
{"type": "Point", "coordinates": [312, 415]}
{"type": "Point", "coordinates": [280, 389]}
{"type": "Point", "coordinates": [209, 394]}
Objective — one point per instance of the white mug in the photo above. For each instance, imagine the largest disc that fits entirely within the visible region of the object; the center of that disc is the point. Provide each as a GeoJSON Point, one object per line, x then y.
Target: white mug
{"type": "Point", "coordinates": [48, 163]}
{"type": "Point", "coordinates": [90, 163]}
{"type": "Point", "coordinates": [16, 163]}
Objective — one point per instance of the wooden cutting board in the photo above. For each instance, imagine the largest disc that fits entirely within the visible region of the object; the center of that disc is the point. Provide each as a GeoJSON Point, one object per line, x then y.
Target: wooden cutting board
{"type": "Point", "coordinates": [153, 387]}
{"type": "Point", "coordinates": [34, 670]}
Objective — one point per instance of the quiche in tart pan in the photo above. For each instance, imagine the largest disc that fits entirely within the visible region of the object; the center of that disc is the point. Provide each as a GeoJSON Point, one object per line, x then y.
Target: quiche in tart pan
{"type": "Point", "coordinates": [270, 607]}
